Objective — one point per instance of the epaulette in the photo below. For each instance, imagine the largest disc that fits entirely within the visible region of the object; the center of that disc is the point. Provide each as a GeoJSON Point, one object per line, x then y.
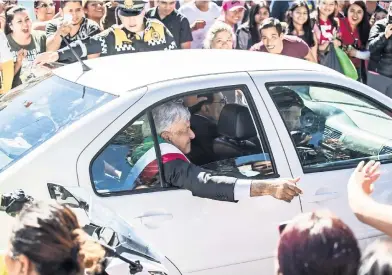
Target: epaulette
{"type": "Point", "coordinates": [155, 32]}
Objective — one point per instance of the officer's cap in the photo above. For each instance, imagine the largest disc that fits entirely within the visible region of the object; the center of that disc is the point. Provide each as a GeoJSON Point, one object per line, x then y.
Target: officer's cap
{"type": "Point", "coordinates": [131, 8]}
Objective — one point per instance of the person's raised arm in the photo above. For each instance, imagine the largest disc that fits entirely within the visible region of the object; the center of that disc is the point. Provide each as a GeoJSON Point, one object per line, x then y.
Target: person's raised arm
{"type": "Point", "coordinates": [54, 35]}
{"type": "Point", "coordinates": [93, 47]}
{"type": "Point", "coordinates": [367, 210]}
{"type": "Point", "coordinates": [379, 36]}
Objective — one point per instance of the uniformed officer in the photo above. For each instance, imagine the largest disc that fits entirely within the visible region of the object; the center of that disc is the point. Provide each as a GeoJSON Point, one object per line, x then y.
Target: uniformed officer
{"type": "Point", "coordinates": [136, 34]}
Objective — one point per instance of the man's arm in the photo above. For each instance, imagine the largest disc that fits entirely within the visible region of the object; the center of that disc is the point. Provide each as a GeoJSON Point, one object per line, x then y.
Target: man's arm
{"type": "Point", "coordinates": [93, 47]}
{"type": "Point", "coordinates": [185, 34]}
{"type": "Point", "coordinates": [53, 35]}
{"type": "Point", "coordinates": [207, 184]}
{"type": "Point", "coordinates": [310, 57]}
{"type": "Point", "coordinates": [306, 52]}
{"type": "Point", "coordinates": [40, 26]}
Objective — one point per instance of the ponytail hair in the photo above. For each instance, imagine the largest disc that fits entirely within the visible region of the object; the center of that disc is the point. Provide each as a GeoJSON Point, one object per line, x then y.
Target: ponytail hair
{"type": "Point", "coordinates": [9, 16]}
{"type": "Point", "coordinates": [49, 235]}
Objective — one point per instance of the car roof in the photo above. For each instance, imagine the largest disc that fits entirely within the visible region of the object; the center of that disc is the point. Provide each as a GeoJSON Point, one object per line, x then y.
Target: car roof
{"type": "Point", "coordinates": [120, 73]}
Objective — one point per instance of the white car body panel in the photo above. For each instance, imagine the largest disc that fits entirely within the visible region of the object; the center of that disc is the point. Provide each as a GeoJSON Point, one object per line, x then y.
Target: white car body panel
{"type": "Point", "coordinates": [198, 235]}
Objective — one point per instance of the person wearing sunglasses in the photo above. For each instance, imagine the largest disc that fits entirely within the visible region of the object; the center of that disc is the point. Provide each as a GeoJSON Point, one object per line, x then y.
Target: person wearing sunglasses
{"type": "Point", "coordinates": [204, 123]}
{"type": "Point", "coordinates": [44, 11]}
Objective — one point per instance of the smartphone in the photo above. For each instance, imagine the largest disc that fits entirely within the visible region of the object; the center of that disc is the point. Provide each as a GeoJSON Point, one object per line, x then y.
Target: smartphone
{"type": "Point", "coordinates": [67, 18]}
{"type": "Point", "coordinates": [389, 19]}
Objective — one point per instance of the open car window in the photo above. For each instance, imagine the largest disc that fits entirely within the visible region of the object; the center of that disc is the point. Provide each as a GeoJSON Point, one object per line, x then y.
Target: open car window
{"type": "Point", "coordinates": [333, 127]}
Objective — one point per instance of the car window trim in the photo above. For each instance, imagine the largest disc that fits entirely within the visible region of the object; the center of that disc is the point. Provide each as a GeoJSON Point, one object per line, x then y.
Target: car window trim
{"type": "Point", "coordinates": [164, 186]}
{"type": "Point", "coordinates": [309, 170]}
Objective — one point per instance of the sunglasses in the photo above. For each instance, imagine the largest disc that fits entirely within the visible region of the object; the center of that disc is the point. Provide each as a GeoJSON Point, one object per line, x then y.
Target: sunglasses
{"type": "Point", "coordinates": [44, 5]}
{"type": "Point", "coordinates": [223, 101]}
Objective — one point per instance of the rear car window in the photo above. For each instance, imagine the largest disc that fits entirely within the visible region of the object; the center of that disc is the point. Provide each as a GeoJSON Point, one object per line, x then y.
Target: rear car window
{"type": "Point", "coordinates": [33, 113]}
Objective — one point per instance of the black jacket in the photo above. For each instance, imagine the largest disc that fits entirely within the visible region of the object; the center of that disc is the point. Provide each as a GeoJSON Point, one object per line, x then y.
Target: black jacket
{"type": "Point", "coordinates": [201, 182]}
{"type": "Point", "coordinates": [206, 131]}
{"type": "Point", "coordinates": [380, 49]}
{"type": "Point", "coordinates": [117, 40]}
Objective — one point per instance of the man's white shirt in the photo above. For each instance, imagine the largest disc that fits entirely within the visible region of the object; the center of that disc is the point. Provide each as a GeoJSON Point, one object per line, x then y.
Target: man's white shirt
{"type": "Point", "coordinates": [192, 13]}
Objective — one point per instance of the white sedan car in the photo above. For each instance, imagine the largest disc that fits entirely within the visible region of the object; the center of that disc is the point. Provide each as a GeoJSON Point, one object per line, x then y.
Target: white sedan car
{"type": "Point", "coordinates": [66, 127]}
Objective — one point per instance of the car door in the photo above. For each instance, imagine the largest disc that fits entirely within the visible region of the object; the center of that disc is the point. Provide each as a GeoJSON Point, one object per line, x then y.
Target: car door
{"type": "Point", "coordinates": [355, 117]}
{"type": "Point", "coordinates": [198, 235]}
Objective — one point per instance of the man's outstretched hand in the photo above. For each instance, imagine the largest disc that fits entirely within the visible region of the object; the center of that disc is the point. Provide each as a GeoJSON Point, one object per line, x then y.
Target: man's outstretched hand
{"type": "Point", "coordinates": [45, 58]}
{"type": "Point", "coordinates": [281, 189]}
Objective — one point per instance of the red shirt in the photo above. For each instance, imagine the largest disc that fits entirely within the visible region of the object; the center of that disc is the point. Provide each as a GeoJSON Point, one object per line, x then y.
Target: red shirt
{"type": "Point", "coordinates": [292, 46]}
{"type": "Point", "coordinates": [326, 31]}
{"type": "Point", "coordinates": [348, 38]}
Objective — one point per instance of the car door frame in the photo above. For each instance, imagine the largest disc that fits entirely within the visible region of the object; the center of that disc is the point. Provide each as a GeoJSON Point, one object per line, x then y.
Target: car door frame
{"type": "Point", "coordinates": [338, 82]}
{"type": "Point", "coordinates": [302, 78]}
{"type": "Point", "coordinates": [159, 92]}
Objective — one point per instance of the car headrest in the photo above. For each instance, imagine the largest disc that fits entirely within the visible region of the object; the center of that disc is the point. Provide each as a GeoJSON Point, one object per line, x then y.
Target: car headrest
{"type": "Point", "coordinates": [235, 122]}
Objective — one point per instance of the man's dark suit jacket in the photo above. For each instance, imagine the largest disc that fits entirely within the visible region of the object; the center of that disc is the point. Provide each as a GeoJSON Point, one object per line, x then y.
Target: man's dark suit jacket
{"type": "Point", "coordinates": [206, 131]}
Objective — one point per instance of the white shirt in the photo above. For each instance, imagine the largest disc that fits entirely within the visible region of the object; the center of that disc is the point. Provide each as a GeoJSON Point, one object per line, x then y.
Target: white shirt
{"type": "Point", "coordinates": [192, 13]}
{"type": "Point", "coordinates": [242, 189]}
{"type": "Point", "coordinates": [5, 52]}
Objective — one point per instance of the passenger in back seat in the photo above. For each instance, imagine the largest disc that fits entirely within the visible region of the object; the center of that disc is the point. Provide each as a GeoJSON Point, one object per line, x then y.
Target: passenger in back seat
{"type": "Point", "coordinates": [204, 124]}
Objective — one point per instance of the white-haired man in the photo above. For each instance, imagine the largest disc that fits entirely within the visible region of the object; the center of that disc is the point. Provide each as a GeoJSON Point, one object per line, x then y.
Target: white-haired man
{"type": "Point", "coordinates": [172, 124]}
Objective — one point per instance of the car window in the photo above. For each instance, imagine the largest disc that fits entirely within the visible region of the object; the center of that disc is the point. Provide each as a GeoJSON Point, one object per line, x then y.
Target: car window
{"type": "Point", "coordinates": [332, 127]}
{"type": "Point", "coordinates": [226, 138]}
{"type": "Point", "coordinates": [32, 113]}
{"type": "Point", "coordinates": [128, 162]}
{"type": "Point", "coordinates": [222, 137]}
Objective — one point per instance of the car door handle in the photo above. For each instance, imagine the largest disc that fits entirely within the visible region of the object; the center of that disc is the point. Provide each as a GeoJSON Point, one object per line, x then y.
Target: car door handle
{"type": "Point", "coordinates": [324, 195]}
{"type": "Point", "coordinates": [154, 218]}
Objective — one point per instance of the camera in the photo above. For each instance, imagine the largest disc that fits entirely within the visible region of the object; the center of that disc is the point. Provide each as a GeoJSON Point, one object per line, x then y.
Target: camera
{"type": "Point", "coordinates": [13, 202]}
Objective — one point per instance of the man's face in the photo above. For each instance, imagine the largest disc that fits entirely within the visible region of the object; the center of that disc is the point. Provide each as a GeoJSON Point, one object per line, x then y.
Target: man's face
{"type": "Point", "coordinates": [292, 118]}
{"type": "Point", "coordinates": [166, 7]}
{"type": "Point", "coordinates": [133, 23]}
{"type": "Point", "coordinates": [272, 40]}
{"type": "Point", "coordinates": [214, 108]}
{"type": "Point", "coordinates": [76, 10]}
{"type": "Point", "coordinates": [180, 135]}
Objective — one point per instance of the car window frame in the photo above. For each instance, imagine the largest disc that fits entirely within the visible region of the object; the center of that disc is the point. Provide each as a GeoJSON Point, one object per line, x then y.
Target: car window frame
{"type": "Point", "coordinates": [331, 167]}
{"type": "Point", "coordinates": [148, 112]}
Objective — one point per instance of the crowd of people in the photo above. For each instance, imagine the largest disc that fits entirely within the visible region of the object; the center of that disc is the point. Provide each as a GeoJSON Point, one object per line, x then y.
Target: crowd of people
{"type": "Point", "coordinates": [47, 239]}
{"type": "Point", "coordinates": [306, 29]}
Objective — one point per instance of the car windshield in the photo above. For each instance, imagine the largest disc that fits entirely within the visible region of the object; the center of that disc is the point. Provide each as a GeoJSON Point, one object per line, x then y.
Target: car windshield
{"type": "Point", "coordinates": [34, 112]}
